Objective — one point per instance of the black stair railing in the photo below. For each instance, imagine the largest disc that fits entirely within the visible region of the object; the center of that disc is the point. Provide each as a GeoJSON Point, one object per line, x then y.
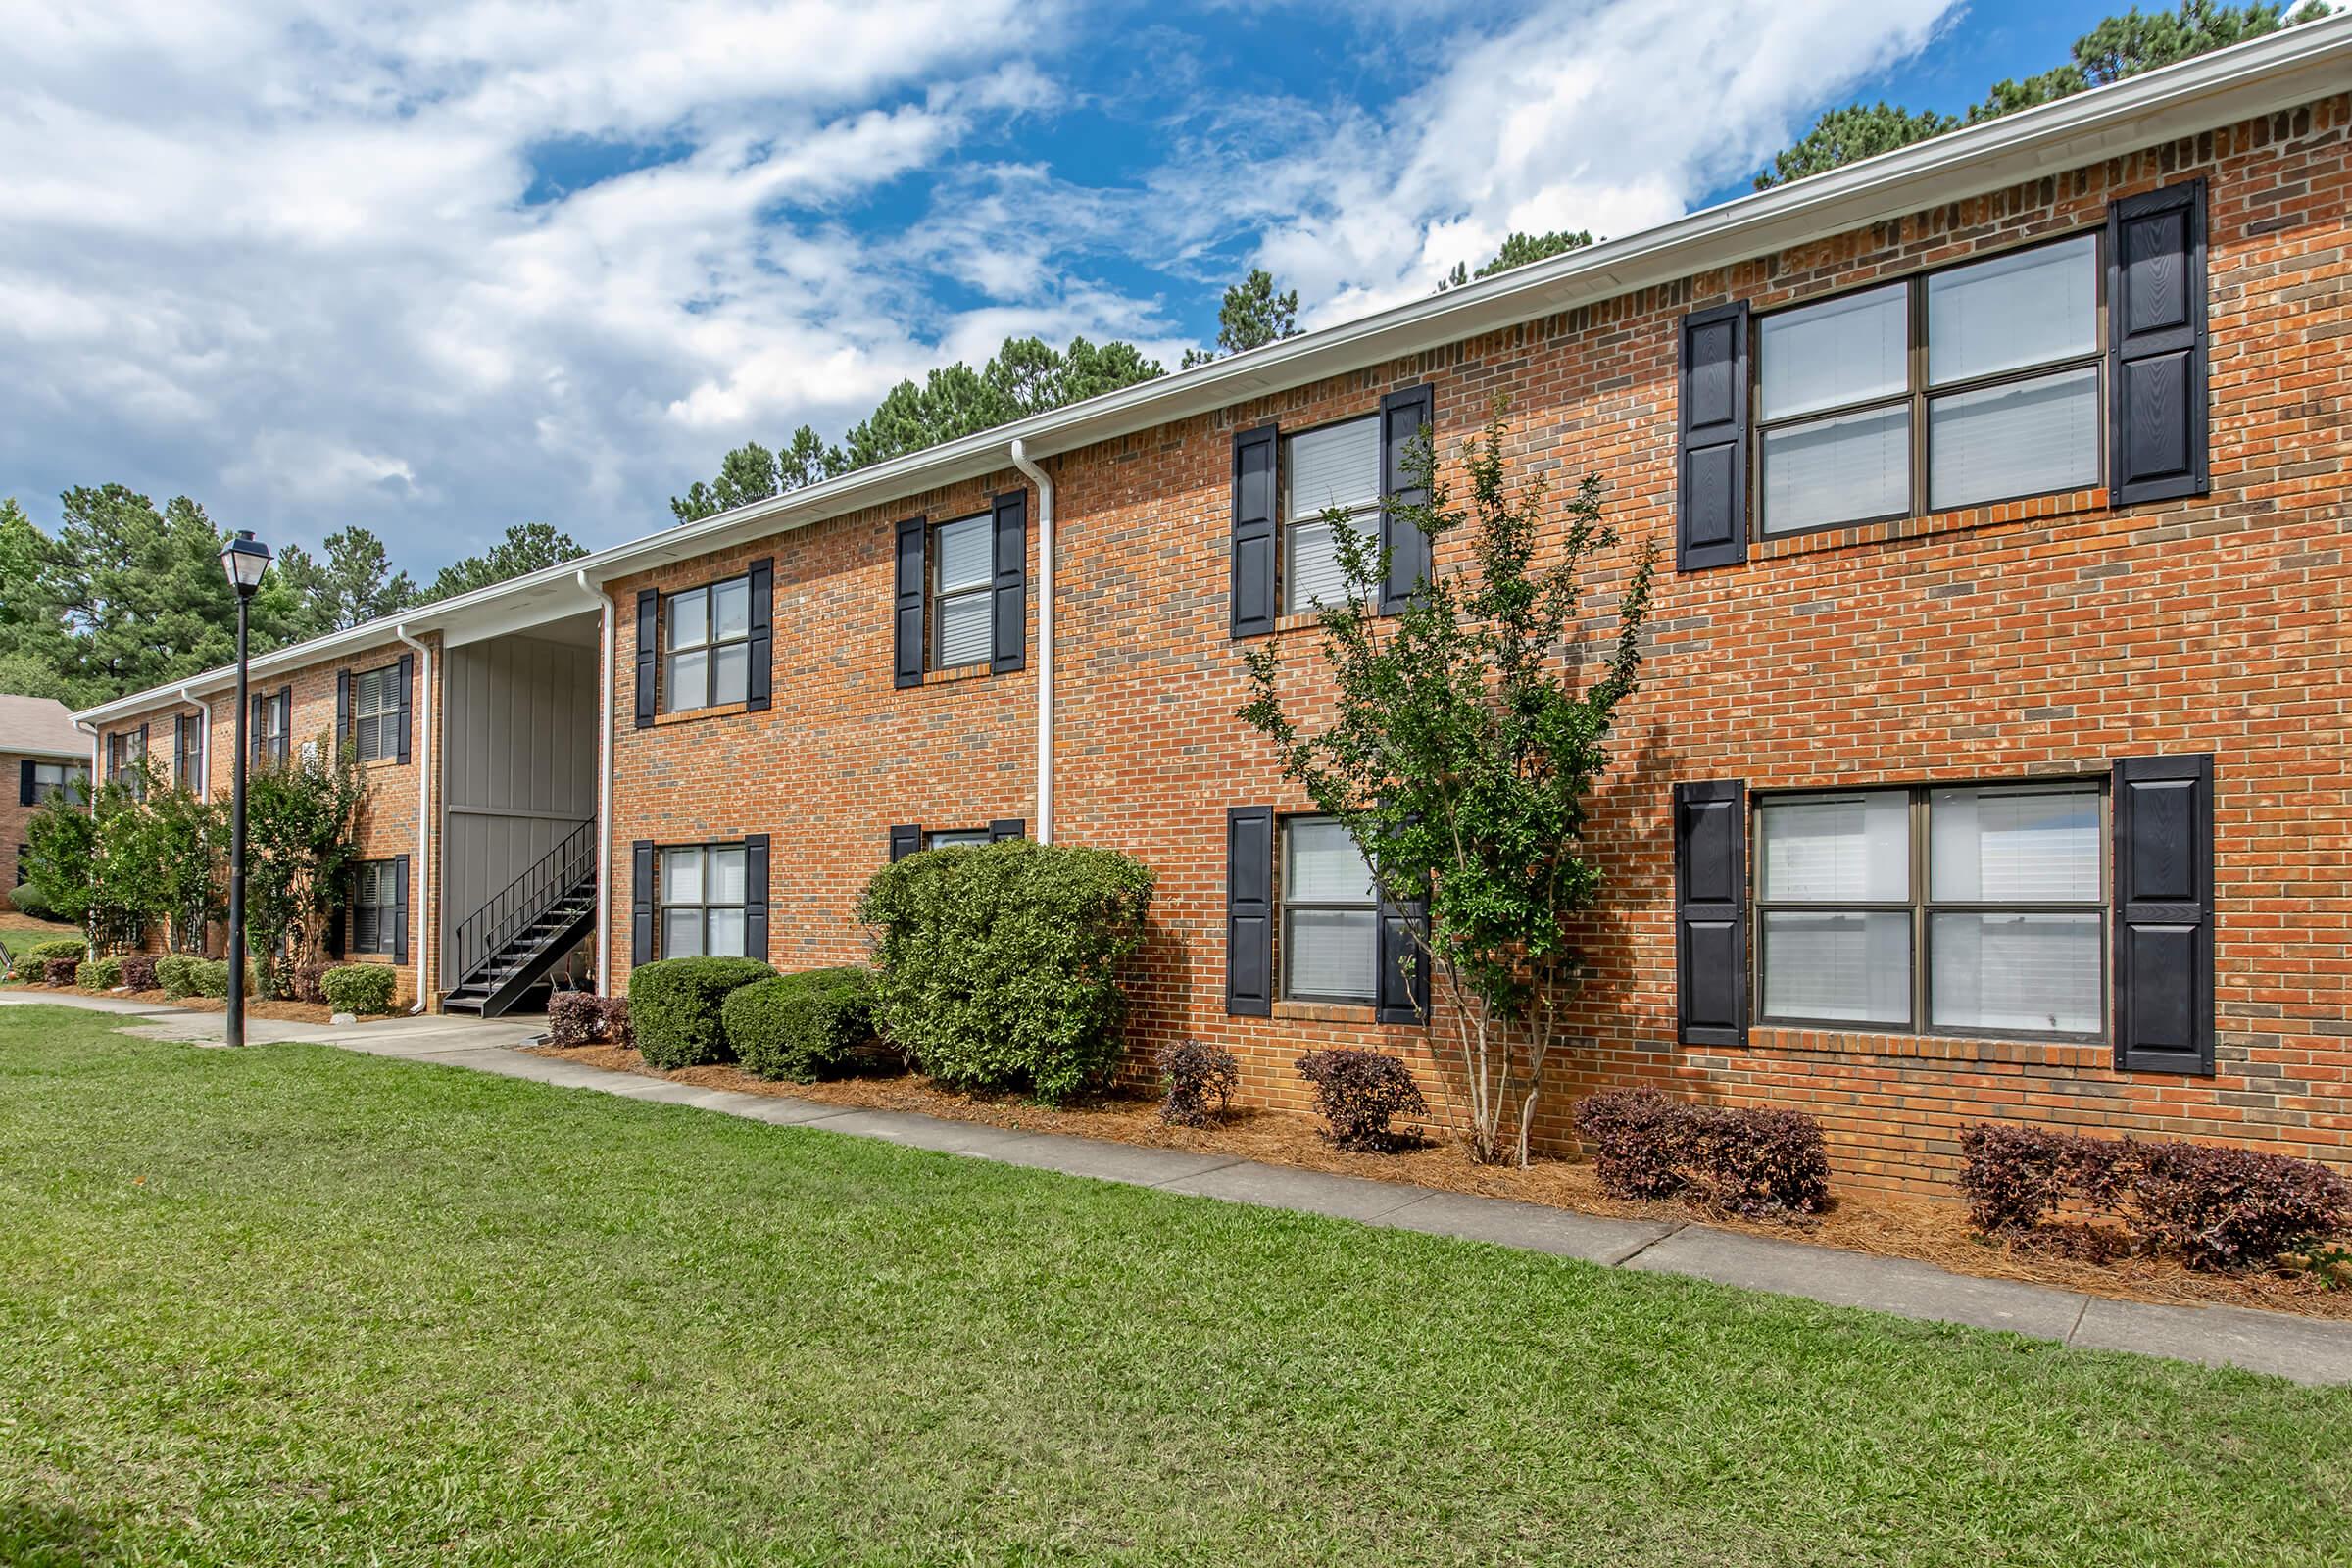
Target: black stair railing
{"type": "Point", "coordinates": [486, 933]}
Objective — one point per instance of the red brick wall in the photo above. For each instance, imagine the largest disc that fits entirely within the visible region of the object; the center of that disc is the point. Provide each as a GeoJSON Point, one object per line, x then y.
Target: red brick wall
{"type": "Point", "coordinates": [387, 824]}
{"type": "Point", "coordinates": [2038, 638]}
{"type": "Point", "coordinates": [14, 812]}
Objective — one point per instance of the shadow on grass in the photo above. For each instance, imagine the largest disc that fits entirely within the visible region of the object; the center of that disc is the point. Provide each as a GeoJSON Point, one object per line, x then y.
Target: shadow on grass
{"type": "Point", "coordinates": [43, 1535]}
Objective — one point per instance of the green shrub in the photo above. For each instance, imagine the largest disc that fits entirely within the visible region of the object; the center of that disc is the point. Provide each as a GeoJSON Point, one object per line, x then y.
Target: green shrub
{"type": "Point", "coordinates": [799, 1026]}
{"type": "Point", "coordinates": [999, 967]}
{"type": "Point", "coordinates": [361, 988]}
{"type": "Point", "coordinates": [174, 972]}
{"type": "Point", "coordinates": [210, 978]}
{"type": "Point", "coordinates": [100, 974]}
{"type": "Point", "coordinates": [673, 1008]}
{"type": "Point", "coordinates": [26, 899]}
{"type": "Point", "coordinates": [58, 948]}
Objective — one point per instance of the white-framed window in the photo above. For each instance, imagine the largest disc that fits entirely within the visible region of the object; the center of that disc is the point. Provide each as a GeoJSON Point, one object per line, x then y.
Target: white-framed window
{"type": "Point", "coordinates": [1973, 910]}
{"type": "Point", "coordinates": [1330, 909]}
{"type": "Point", "coordinates": [375, 713]}
{"type": "Point", "coordinates": [125, 749]}
{"type": "Point", "coordinates": [706, 637]}
{"type": "Point", "coordinates": [947, 838]}
{"type": "Point", "coordinates": [703, 893]}
{"type": "Point", "coordinates": [188, 764]}
{"type": "Point", "coordinates": [51, 778]}
{"type": "Point", "coordinates": [962, 606]}
{"type": "Point", "coordinates": [1971, 384]}
{"type": "Point", "coordinates": [1334, 465]}
{"type": "Point", "coordinates": [273, 726]}
{"type": "Point", "coordinates": [376, 909]}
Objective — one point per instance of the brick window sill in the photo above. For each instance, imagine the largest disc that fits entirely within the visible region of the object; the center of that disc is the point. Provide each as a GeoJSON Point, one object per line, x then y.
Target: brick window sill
{"type": "Point", "coordinates": [1933, 1048]}
{"type": "Point", "coordinates": [949, 677]}
{"type": "Point", "coordinates": [2033, 509]}
{"type": "Point", "coordinates": [695, 714]}
{"type": "Point", "coordinates": [1325, 1012]}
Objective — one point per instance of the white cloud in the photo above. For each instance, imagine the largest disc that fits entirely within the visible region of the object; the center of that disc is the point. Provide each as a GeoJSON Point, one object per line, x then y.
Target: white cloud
{"type": "Point", "coordinates": [289, 256]}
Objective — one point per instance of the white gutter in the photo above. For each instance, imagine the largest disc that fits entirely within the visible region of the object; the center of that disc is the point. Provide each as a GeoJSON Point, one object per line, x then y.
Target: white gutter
{"type": "Point", "coordinates": [2293, 65]}
{"type": "Point", "coordinates": [604, 791]}
{"type": "Point", "coordinates": [204, 753]}
{"type": "Point", "coordinates": [1044, 639]}
{"type": "Point", "coordinates": [428, 938]}
{"type": "Point", "coordinates": [97, 774]}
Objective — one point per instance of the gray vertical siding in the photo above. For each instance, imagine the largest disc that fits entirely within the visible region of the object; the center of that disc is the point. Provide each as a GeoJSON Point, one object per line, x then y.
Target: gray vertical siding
{"type": "Point", "coordinates": [521, 762]}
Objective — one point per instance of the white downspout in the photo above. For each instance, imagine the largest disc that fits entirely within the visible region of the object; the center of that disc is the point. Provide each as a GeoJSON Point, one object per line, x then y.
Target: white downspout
{"type": "Point", "coordinates": [604, 788]}
{"type": "Point", "coordinates": [428, 938]}
{"type": "Point", "coordinates": [1044, 640]}
{"type": "Point", "coordinates": [97, 774]}
{"type": "Point", "coordinates": [204, 753]}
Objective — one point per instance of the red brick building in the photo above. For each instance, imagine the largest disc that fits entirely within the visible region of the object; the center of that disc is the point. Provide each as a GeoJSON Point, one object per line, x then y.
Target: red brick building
{"type": "Point", "coordinates": [1993, 754]}
{"type": "Point", "coordinates": [41, 752]}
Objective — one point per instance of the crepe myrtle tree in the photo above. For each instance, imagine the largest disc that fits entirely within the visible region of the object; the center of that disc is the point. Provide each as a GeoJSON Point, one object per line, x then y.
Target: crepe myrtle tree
{"type": "Point", "coordinates": [1459, 746]}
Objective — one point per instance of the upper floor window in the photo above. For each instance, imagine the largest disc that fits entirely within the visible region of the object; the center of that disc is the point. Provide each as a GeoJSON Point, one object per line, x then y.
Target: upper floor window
{"type": "Point", "coordinates": [1336, 465]}
{"type": "Point", "coordinates": [703, 895]}
{"type": "Point", "coordinates": [1973, 384]}
{"type": "Point", "coordinates": [1329, 914]}
{"type": "Point", "coordinates": [43, 780]}
{"type": "Point", "coordinates": [189, 765]}
{"type": "Point", "coordinates": [375, 714]}
{"type": "Point", "coordinates": [124, 750]}
{"type": "Point", "coordinates": [273, 726]}
{"type": "Point", "coordinates": [707, 633]}
{"type": "Point", "coordinates": [1975, 909]}
{"type": "Point", "coordinates": [963, 572]}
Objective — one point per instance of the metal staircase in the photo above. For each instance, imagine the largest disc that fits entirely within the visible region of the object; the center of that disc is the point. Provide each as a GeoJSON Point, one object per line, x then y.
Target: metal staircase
{"type": "Point", "coordinates": [505, 949]}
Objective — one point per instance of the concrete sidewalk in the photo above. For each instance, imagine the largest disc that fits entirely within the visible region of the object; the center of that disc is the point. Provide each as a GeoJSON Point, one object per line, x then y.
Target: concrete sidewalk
{"type": "Point", "coordinates": [2305, 1349]}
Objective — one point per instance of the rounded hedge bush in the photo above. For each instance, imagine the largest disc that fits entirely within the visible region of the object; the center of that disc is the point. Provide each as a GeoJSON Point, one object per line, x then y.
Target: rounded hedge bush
{"type": "Point", "coordinates": [100, 974]}
{"type": "Point", "coordinates": [674, 1005]}
{"type": "Point", "coordinates": [359, 988]}
{"type": "Point", "coordinates": [999, 967]}
{"type": "Point", "coordinates": [58, 947]}
{"type": "Point", "coordinates": [175, 973]}
{"type": "Point", "coordinates": [26, 899]}
{"type": "Point", "coordinates": [799, 1026]}
{"type": "Point", "coordinates": [210, 978]}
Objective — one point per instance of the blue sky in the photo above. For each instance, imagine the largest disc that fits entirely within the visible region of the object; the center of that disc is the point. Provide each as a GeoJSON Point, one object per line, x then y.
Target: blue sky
{"type": "Point", "coordinates": [438, 265]}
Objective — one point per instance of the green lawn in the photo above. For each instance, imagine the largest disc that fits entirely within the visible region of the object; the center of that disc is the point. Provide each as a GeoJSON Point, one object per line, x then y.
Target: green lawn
{"type": "Point", "coordinates": [289, 1306]}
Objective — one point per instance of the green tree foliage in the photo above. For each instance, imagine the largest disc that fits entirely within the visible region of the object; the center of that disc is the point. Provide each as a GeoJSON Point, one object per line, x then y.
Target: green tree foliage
{"type": "Point", "coordinates": [354, 584]}
{"type": "Point", "coordinates": [60, 850]}
{"type": "Point", "coordinates": [2119, 46]}
{"type": "Point", "coordinates": [1518, 251]}
{"type": "Point", "coordinates": [527, 547]}
{"type": "Point", "coordinates": [301, 817]}
{"type": "Point", "coordinates": [1252, 315]}
{"type": "Point", "coordinates": [1026, 376]}
{"type": "Point", "coordinates": [1460, 747]}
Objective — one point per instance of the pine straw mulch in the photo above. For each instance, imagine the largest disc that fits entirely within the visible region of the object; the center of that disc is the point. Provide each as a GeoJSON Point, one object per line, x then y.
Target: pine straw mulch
{"type": "Point", "coordinates": [1923, 1229]}
{"type": "Point", "coordinates": [255, 1008]}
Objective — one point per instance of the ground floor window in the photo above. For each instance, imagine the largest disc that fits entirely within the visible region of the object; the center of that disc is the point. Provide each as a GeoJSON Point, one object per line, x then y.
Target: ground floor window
{"type": "Point", "coordinates": [945, 838]}
{"type": "Point", "coordinates": [376, 909]}
{"type": "Point", "coordinates": [51, 778]}
{"type": "Point", "coordinates": [1956, 909]}
{"type": "Point", "coordinates": [703, 897]}
{"type": "Point", "coordinates": [1329, 914]}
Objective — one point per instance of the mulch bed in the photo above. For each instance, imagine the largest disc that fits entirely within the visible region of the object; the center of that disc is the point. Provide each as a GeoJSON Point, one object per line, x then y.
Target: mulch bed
{"type": "Point", "coordinates": [1923, 1228]}
{"type": "Point", "coordinates": [255, 1008]}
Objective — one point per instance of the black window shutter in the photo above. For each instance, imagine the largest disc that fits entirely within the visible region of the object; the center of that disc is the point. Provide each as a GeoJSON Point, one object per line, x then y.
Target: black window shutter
{"type": "Point", "coordinates": [641, 902]}
{"type": "Point", "coordinates": [338, 925]}
{"type": "Point", "coordinates": [142, 746]}
{"type": "Point", "coordinates": [649, 651]}
{"type": "Point", "coordinates": [1710, 917]}
{"type": "Point", "coordinates": [2163, 978]}
{"type": "Point", "coordinates": [400, 908]}
{"type": "Point", "coordinates": [1402, 994]}
{"type": "Point", "coordinates": [1254, 502]}
{"type": "Point", "coordinates": [27, 792]}
{"type": "Point", "coordinates": [343, 736]}
{"type": "Point", "coordinates": [255, 746]}
{"type": "Point", "coordinates": [755, 896]}
{"type": "Point", "coordinates": [1401, 417]}
{"type": "Point", "coordinates": [2156, 344]}
{"type": "Point", "coordinates": [403, 687]}
{"type": "Point", "coordinates": [1712, 490]}
{"type": "Point", "coordinates": [1008, 827]}
{"type": "Point", "coordinates": [760, 692]}
{"type": "Point", "coordinates": [1012, 593]}
{"type": "Point", "coordinates": [907, 606]}
{"type": "Point", "coordinates": [286, 730]}
{"type": "Point", "coordinates": [1249, 912]}
{"type": "Point", "coordinates": [904, 840]}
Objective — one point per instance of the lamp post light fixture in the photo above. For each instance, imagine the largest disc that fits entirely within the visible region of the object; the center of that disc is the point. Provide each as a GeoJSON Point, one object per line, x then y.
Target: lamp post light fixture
{"type": "Point", "coordinates": [244, 559]}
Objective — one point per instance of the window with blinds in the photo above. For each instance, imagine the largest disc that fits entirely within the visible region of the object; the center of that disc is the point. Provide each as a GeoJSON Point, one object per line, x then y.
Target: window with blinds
{"type": "Point", "coordinates": [1976, 383]}
{"type": "Point", "coordinates": [1331, 481]}
{"type": "Point", "coordinates": [375, 907]}
{"type": "Point", "coordinates": [375, 713]}
{"type": "Point", "coordinates": [962, 615]}
{"type": "Point", "coordinates": [1977, 910]}
{"type": "Point", "coordinates": [703, 889]}
{"type": "Point", "coordinates": [1329, 914]}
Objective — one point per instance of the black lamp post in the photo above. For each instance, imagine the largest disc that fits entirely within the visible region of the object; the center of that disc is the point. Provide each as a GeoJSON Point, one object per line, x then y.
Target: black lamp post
{"type": "Point", "coordinates": [244, 559]}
